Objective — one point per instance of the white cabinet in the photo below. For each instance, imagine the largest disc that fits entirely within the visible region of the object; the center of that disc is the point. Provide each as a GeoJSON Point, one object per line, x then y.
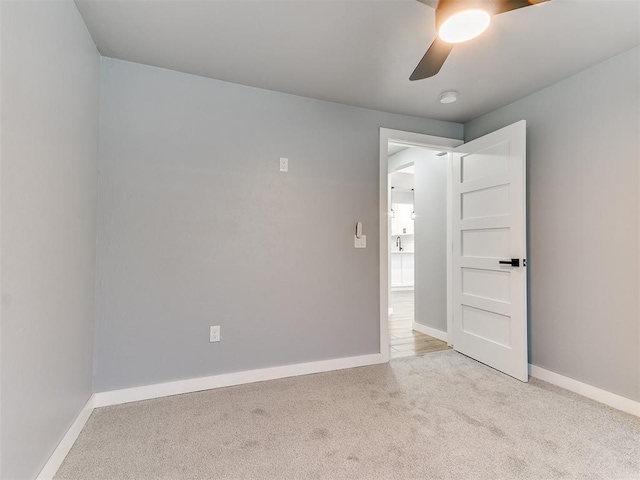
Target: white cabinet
{"type": "Point", "coordinates": [396, 269]}
{"type": "Point", "coordinates": [402, 270]}
{"type": "Point", "coordinates": [407, 269]}
{"type": "Point", "coordinates": [401, 222]}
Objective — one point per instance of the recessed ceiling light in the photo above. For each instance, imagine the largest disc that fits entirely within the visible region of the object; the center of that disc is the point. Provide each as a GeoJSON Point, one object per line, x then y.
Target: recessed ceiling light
{"type": "Point", "coordinates": [448, 97]}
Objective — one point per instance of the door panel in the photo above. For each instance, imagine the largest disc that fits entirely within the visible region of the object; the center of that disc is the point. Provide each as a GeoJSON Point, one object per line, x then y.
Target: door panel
{"type": "Point", "coordinates": [487, 325]}
{"type": "Point", "coordinates": [487, 202]}
{"type": "Point", "coordinates": [485, 163]}
{"type": "Point", "coordinates": [488, 284]}
{"type": "Point", "coordinates": [485, 243]}
{"type": "Point", "coordinates": [489, 298]}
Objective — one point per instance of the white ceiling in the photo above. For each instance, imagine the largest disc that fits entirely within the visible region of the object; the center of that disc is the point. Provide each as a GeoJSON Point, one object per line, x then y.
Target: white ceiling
{"type": "Point", "coordinates": [393, 148]}
{"type": "Point", "coordinates": [409, 169]}
{"type": "Point", "coordinates": [361, 52]}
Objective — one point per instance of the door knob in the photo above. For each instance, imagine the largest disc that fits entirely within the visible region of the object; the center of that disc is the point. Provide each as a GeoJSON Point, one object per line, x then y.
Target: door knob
{"type": "Point", "coordinates": [514, 262]}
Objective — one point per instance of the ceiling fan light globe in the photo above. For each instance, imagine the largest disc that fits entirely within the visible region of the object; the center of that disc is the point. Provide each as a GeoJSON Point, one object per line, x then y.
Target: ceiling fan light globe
{"type": "Point", "coordinates": [463, 26]}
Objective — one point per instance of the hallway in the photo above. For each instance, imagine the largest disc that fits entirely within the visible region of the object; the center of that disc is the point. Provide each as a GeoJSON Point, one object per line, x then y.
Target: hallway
{"type": "Point", "coordinates": [403, 340]}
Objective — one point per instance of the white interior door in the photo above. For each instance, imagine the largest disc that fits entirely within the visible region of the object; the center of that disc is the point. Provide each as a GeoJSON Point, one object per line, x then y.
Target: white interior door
{"type": "Point", "coordinates": [489, 231]}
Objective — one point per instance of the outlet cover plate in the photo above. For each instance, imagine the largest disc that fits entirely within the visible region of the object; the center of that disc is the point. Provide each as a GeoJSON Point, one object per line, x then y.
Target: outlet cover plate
{"type": "Point", "coordinates": [214, 333]}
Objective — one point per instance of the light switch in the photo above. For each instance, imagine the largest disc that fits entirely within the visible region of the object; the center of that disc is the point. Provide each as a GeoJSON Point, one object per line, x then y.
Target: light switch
{"type": "Point", "coordinates": [360, 242]}
{"type": "Point", "coordinates": [284, 164]}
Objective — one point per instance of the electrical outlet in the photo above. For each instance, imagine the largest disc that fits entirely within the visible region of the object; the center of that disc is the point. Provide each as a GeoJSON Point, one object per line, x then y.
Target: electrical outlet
{"type": "Point", "coordinates": [284, 164]}
{"type": "Point", "coordinates": [214, 333]}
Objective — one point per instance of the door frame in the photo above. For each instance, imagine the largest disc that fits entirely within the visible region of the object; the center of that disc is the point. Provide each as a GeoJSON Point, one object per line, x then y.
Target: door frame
{"type": "Point", "coordinates": [415, 140]}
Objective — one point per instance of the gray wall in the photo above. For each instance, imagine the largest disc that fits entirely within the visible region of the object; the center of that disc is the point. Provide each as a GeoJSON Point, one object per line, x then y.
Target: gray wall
{"type": "Point", "coordinates": [49, 151]}
{"type": "Point", "coordinates": [430, 225]}
{"type": "Point", "coordinates": [582, 142]}
{"type": "Point", "coordinates": [197, 226]}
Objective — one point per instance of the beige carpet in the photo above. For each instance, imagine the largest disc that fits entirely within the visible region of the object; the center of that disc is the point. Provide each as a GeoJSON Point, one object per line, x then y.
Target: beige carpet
{"type": "Point", "coordinates": [439, 416]}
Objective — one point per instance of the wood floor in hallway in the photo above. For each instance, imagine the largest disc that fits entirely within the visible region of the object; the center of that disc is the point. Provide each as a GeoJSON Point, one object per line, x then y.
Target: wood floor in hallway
{"type": "Point", "coordinates": [403, 340]}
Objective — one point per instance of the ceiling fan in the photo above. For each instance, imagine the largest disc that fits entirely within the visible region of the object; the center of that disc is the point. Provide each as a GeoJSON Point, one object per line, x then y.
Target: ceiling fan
{"type": "Point", "coordinates": [458, 21]}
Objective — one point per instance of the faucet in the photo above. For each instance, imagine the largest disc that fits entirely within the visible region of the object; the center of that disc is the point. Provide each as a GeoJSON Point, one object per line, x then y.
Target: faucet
{"type": "Point", "coordinates": [399, 243]}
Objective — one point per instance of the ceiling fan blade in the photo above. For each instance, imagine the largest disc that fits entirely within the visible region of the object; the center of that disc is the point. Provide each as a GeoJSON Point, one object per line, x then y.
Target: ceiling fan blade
{"type": "Point", "coordinates": [433, 60]}
{"type": "Point", "coordinates": [429, 3]}
{"type": "Point", "coordinates": [502, 6]}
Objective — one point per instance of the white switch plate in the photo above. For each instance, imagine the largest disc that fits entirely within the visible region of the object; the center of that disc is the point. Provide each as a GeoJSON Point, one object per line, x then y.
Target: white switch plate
{"type": "Point", "coordinates": [214, 333]}
{"type": "Point", "coordinates": [360, 242]}
{"type": "Point", "coordinates": [284, 164]}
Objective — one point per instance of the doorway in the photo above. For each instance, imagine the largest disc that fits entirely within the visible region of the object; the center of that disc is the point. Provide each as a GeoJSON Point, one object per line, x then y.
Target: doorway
{"type": "Point", "coordinates": [417, 182]}
{"type": "Point", "coordinates": [485, 246]}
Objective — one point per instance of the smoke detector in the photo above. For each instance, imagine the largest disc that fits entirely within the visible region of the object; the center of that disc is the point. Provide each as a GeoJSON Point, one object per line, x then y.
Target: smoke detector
{"type": "Point", "coordinates": [448, 97]}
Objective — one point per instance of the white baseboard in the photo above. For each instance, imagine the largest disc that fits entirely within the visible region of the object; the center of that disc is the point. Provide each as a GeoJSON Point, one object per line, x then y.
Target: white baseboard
{"type": "Point", "coordinates": [135, 394]}
{"type": "Point", "coordinates": [611, 399]}
{"type": "Point", "coordinates": [432, 332]}
{"type": "Point", "coordinates": [126, 395]}
{"type": "Point", "coordinates": [59, 454]}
